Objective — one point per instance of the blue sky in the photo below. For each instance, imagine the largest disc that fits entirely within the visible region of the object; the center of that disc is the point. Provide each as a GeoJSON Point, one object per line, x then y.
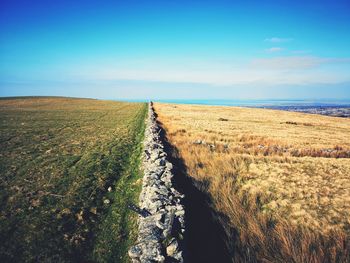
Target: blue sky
{"type": "Point", "coordinates": [175, 49]}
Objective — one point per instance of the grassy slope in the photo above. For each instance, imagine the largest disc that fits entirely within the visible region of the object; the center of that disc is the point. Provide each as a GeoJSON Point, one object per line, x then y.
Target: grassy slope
{"type": "Point", "coordinates": [59, 156]}
{"type": "Point", "coordinates": [280, 179]}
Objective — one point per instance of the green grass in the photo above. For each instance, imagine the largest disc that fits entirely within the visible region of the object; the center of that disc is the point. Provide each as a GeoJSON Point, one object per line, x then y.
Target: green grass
{"type": "Point", "coordinates": [58, 158]}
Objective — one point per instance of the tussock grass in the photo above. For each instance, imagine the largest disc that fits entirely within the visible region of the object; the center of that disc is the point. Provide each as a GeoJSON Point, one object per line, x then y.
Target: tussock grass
{"type": "Point", "coordinates": [279, 181]}
{"type": "Point", "coordinates": [68, 167]}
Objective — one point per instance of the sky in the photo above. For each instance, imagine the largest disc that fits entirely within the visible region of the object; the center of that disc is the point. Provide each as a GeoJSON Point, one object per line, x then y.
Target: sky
{"type": "Point", "coordinates": [176, 49]}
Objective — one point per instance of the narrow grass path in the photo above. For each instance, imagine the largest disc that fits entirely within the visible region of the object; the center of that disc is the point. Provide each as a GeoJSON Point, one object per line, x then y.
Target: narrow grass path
{"type": "Point", "coordinates": [119, 229]}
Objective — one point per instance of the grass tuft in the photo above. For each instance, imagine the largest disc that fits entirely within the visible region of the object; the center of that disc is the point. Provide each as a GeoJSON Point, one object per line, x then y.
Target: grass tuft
{"type": "Point", "coordinates": [280, 188]}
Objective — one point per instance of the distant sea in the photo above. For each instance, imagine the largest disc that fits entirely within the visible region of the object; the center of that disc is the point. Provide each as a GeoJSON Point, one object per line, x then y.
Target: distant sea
{"type": "Point", "coordinates": [262, 103]}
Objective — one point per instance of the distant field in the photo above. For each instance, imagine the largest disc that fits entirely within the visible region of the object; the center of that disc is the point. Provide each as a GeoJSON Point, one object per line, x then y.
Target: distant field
{"type": "Point", "coordinates": [279, 181]}
{"type": "Point", "coordinates": [68, 167]}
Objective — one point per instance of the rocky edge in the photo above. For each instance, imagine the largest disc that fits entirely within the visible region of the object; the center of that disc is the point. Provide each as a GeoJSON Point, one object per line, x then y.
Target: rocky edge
{"type": "Point", "coordinates": [161, 223]}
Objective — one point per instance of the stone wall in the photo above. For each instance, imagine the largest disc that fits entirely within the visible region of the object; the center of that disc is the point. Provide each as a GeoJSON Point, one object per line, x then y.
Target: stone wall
{"type": "Point", "coordinates": [161, 222]}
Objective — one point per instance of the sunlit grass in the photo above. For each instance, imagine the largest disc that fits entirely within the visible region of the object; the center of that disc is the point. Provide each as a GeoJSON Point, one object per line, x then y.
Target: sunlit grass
{"type": "Point", "coordinates": [278, 180]}
{"type": "Point", "coordinates": [68, 167]}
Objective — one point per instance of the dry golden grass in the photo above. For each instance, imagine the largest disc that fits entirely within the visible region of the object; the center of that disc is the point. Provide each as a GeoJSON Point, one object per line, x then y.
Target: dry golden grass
{"type": "Point", "coordinates": [281, 180]}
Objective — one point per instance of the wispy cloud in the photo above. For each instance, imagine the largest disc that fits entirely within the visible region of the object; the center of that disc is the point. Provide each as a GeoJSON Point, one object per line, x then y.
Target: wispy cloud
{"type": "Point", "coordinates": [273, 71]}
{"type": "Point", "coordinates": [295, 62]}
{"type": "Point", "coordinates": [274, 49]}
{"type": "Point", "coordinates": [282, 63]}
{"type": "Point", "coordinates": [278, 39]}
{"type": "Point", "coordinates": [300, 51]}
{"type": "Point", "coordinates": [291, 70]}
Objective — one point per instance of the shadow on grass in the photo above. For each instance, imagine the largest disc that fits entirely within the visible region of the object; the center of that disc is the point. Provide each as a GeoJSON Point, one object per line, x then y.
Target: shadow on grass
{"type": "Point", "coordinates": [204, 237]}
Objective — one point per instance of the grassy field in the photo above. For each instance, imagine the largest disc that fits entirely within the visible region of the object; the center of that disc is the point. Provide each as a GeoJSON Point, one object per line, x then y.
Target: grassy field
{"type": "Point", "coordinates": [68, 168]}
{"type": "Point", "coordinates": [278, 181]}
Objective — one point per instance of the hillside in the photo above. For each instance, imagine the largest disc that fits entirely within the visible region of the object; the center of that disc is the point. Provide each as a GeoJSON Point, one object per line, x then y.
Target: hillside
{"type": "Point", "coordinates": [68, 168]}
{"type": "Point", "coordinates": [278, 181]}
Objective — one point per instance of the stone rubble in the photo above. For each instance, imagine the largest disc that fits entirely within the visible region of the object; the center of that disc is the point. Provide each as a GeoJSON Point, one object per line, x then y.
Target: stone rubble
{"type": "Point", "coordinates": [161, 232]}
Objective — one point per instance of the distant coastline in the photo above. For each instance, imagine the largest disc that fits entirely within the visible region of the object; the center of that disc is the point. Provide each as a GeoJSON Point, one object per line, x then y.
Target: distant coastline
{"type": "Point", "coordinates": [329, 107]}
{"type": "Point", "coordinates": [260, 103]}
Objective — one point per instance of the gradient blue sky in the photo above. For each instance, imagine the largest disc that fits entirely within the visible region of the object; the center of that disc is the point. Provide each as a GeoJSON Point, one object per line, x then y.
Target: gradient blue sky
{"type": "Point", "coordinates": [176, 49]}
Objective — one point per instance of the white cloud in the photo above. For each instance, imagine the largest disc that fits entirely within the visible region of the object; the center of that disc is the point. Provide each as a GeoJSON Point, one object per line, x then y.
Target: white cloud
{"type": "Point", "coordinates": [300, 52]}
{"type": "Point", "coordinates": [278, 40]}
{"type": "Point", "coordinates": [282, 63]}
{"type": "Point", "coordinates": [295, 70]}
{"type": "Point", "coordinates": [295, 62]}
{"type": "Point", "coordinates": [274, 49]}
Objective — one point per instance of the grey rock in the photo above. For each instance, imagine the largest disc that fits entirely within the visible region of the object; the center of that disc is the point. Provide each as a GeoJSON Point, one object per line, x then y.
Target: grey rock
{"type": "Point", "coordinates": [135, 251]}
{"type": "Point", "coordinates": [161, 200]}
{"type": "Point", "coordinates": [169, 166]}
{"type": "Point", "coordinates": [172, 248]}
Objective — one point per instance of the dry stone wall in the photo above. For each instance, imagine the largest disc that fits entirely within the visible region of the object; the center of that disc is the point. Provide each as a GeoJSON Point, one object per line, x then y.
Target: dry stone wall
{"type": "Point", "coordinates": [161, 222]}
